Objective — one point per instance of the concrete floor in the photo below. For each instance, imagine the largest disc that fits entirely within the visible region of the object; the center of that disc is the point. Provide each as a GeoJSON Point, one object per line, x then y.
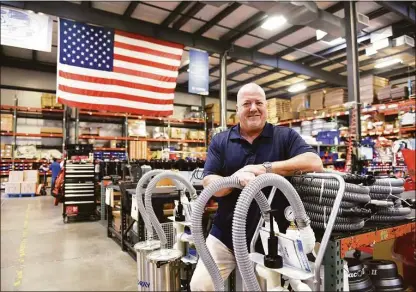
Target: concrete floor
{"type": "Point", "coordinates": [39, 252]}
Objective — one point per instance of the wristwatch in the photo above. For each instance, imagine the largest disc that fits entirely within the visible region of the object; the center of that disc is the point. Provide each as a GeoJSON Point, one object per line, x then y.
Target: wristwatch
{"type": "Point", "coordinates": [268, 166]}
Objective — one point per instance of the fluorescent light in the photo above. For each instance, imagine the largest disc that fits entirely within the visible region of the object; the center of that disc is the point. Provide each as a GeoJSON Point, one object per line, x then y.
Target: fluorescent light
{"type": "Point", "coordinates": [297, 87]}
{"type": "Point", "coordinates": [386, 63]}
{"type": "Point", "coordinates": [320, 34]}
{"type": "Point", "coordinates": [335, 41]}
{"type": "Point", "coordinates": [273, 22]}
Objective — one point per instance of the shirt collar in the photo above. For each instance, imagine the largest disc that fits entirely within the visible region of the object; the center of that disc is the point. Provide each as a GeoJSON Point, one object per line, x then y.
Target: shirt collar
{"type": "Point", "coordinates": [267, 131]}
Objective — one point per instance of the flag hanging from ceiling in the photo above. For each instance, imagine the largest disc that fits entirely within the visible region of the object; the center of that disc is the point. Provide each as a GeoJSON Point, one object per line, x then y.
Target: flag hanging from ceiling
{"type": "Point", "coordinates": [112, 70]}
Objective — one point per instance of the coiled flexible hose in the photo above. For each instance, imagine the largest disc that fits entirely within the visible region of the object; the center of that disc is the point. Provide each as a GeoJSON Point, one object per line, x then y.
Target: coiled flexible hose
{"type": "Point", "coordinates": [340, 220]}
{"type": "Point", "coordinates": [376, 196]}
{"type": "Point", "coordinates": [196, 224]}
{"type": "Point", "coordinates": [354, 212]}
{"type": "Point", "coordinates": [240, 217]}
{"type": "Point", "coordinates": [394, 211]}
{"type": "Point", "coordinates": [386, 189]}
{"type": "Point", "coordinates": [328, 202]}
{"type": "Point", "coordinates": [329, 184]}
{"type": "Point", "coordinates": [316, 191]}
{"type": "Point", "coordinates": [384, 218]}
{"type": "Point", "coordinates": [340, 227]}
{"type": "Point", "coordinates": [148, 201]}
{"type": "Point", "coordinates": [394, 182]}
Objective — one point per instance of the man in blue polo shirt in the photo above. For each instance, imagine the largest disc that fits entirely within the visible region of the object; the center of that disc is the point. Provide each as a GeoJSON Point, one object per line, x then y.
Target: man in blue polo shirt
{"type": "Point", "coordinates": [251, 148]}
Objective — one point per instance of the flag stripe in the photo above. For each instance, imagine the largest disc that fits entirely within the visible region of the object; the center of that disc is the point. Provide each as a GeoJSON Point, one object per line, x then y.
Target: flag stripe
{"type": "Point", "coordinates": [106, 94]}
{"type": "Point", "coordinates": [147, 69]}
{"type": "Point", "coordinates": [148, 51]}
{"type": "Point", "coordinates": [109, 101]}
{"type": "Point", "coordinates": [119, 83]}
{"type": "Point", "coordinates": [123, 75]}
{"type": "Point", "coordinates": [163, 45]}
{"type": "Point", "coordinates": [114, 88]}
{"type": "Point", "coordinates": [113, 108]}
{"type": "Point", "coordinates": [145, 62]}
{"type": "Point", "coordinates": [145, 75]}
{"type": "Point", "coordinates": [146, 57]}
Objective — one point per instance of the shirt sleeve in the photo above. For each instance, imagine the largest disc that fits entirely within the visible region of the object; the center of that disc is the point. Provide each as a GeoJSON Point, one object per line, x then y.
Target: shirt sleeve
{"type": "Point", "coordinates": [213, 162]}
{"type": "Point", "coordinates": [297, 145]}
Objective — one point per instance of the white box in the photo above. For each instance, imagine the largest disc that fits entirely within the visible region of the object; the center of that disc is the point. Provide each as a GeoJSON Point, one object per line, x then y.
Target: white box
{"type": "Point", "coordinates": [30, 175]}
{"type": "Point", "coordinates": [28, 187]}
{"type": "Point", "coordinates": [16, 176]}
{"type": "Point", "coordinates": [12, 188]}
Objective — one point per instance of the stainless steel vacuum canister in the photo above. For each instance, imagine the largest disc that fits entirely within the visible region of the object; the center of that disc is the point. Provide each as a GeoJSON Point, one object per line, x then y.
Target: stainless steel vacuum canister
{"type": "Point", "coordinates": [143, 249]}
{"type": "Point", "coordinates": [165, 269]}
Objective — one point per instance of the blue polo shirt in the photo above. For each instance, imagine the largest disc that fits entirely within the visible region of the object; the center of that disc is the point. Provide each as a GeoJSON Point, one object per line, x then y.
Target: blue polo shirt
{"type": "Point", "coordinates": [229, 151]}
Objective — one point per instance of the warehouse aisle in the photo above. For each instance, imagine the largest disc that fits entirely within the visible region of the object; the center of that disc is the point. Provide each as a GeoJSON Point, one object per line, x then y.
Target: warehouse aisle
{"type": "Point", "coordinates": [40, 252]}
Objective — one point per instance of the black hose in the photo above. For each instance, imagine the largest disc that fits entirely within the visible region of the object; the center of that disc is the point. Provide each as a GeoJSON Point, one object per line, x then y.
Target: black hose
{"type": "Point", "coordinates": [352, 212]}
{"type": "Point", "coordinates": [384, 218]}
{"type": "Point", "coordinates": [386, 189]}
{"type": "Point", "coordinates": [394, 211]}
{"type": "Point", "coordinates": [394, 182]}
{"type": "Point", "coordinates": [328, 184]}
{"type": "Point", "coordinates": [339, 227]}
{"type": "Point", "coordinates": [340, 220]}
{"type": "Point", "coordinates": [316, 191]}
{"type": "Point", "coordinates": [328, 202]}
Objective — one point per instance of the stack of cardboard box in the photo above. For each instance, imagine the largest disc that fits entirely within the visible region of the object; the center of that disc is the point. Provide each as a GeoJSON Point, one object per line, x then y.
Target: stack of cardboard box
{"type": "Point", "coordinates": [317, 100]}
{"type": "Point", "coordinates": [49, 101]}
{"type": "Point", "coordinates": [6, 122]}
{"type": "Point", "coordinates": [22, 182]}
{"type": "Point", "coordinates": [213, 112]}
{"type": "Point", "coordinates": [277, 109]}
{"type": "Point", "coordinates": [370, 86]}
{"type": "Point", "coordinates": [138, 150]}
{"type": "Point", "coordinates": [299, 102]}
{"type": "Point", "coordinates": [6, 150]}
{"type": "Point", "coordinates": [335, 97]}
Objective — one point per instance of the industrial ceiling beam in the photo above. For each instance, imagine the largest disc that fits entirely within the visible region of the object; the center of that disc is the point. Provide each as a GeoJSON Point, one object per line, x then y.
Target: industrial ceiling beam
{"type": "Point", "coordinates": [27, 64]}
{"type": "Point", "coordinates": [217, 18]}
{"type": "Point", "coordinates": [401, 8]}
{"type": "Point", "coordinates": [278, 92]}
{"type": "Point", "coordinates": [109, 19]}
{"type": "Point", "coordinates": [254, 78]}
{"type": "Point", "coordinates": [406, 71]}
{"type": "Point", "coordinates": [234, 74]}
{"type": "Point", "coordinates": [188, 15]}
{"type": "Point", "coordinates": [177, 11]}
{"type": "Point", "coordinates": [131, 8]}
{"type": "Point", "coordinates": [244, 28]}
{"type": "Point", "coordinates": [406, 74]}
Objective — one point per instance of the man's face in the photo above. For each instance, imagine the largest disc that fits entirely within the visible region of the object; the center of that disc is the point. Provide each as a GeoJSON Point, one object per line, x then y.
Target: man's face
{"type": "Point", "coordinates": [251, 109]}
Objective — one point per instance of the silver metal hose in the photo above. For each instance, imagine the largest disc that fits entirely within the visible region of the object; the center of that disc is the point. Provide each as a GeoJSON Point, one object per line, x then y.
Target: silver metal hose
{"type": "Point", "coordinates": [328, 202]}
{"type": "Point", "coordinates": [316, 191]}
{"type": "Point", "coordinates": [321, 209]}
{"type": "Point", "coordinates": [329, 184]}
{"type": "Point", "coordinates": [376, 196]}
{"type": "Point", "coordinates": [148, 201]}
{"type": "Point", "coordinates": [339, 226]}
{"type": "Point", "coordinates": [240, 217]}
{"type": "Point", "coordinates": [196, 224]}
{"type": "Point", "coordinates": [317, 217]}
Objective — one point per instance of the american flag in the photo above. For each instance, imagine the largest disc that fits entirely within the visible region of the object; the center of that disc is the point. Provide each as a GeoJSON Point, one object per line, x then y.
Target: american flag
{"type": "Point", "coordinates": [112, 70]}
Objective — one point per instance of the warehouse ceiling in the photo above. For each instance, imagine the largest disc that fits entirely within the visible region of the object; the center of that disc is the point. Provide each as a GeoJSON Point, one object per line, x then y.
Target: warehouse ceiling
{"type": "Point", "coordinates": [239, 27]}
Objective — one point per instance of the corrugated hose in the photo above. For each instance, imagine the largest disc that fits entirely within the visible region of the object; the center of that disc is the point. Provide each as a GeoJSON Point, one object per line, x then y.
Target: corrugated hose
{"type": "Point", "coordinates": [318, 191]}
{"type": "Point", "coordinates": [329, 184]}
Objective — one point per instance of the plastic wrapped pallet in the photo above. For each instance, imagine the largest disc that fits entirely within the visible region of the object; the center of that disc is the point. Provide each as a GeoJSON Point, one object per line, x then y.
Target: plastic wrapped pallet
{"type": "Point", "coordinates": [16, 176]}
{"type": "Point", "coordinates": [28, 187]}
{"type": "Point", "coordinates": [12, 187]}
{"type": "Point", "coordinates": [30, 175]}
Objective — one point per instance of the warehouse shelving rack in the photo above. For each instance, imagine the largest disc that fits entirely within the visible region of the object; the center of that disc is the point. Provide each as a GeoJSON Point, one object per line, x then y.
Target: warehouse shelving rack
{"type": "Point", "coordinates": [339, 244]}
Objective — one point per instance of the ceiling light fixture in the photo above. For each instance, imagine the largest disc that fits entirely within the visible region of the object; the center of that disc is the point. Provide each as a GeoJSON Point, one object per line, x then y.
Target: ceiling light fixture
{"type": "Point", "coordinates": [386, 63]}
{"type": "Point", "coordinates": [335, 42]}
{"type": "Point", "coordinates": [297, 87]}
{"type": "Point", "coordinates": [320, 34]}
{"type": "Point", "coordinates": [273, 22]}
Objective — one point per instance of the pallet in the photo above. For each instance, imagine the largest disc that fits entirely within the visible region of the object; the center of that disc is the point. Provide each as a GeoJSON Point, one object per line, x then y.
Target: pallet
{"type": "Point", "coordinates": [20, 195]}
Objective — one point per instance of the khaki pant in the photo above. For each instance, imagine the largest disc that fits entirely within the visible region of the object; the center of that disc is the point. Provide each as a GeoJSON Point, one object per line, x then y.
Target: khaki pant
{"type": "Point", "coordinates": [223, 257]}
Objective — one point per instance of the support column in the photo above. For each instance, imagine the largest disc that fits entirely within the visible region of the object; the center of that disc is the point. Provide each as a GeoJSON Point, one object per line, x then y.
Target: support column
{"type": "Point", "coordinates": [76, 126]}
{"type": "Point", "coordinates": [223, 92]}
{"type": "Point", "coordinates": [352, 63]}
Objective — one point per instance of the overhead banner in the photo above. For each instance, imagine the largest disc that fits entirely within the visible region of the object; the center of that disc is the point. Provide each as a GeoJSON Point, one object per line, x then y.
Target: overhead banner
{"type": "Point", "coordinates": [198, 72]}
{"type": "Point", "coordinates": [26, 29]}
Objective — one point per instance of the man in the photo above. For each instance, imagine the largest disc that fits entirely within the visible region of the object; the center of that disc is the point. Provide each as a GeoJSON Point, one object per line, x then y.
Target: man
{"type": "Point", "coordinates": [251, 148]}
{"type": "Point", "coordinates": [55, 169]}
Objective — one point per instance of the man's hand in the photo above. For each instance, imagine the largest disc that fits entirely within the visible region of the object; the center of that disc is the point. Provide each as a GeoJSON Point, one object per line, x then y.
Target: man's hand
{"type": "Point", "coordinates": [244, 177]}
{"type": "Point", "coordinates": [256, 169]}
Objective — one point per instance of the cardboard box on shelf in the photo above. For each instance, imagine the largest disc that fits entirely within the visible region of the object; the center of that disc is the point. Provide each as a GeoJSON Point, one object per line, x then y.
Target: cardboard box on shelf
{"type": "Point", "coordinates": [299, 102]}
{"type": "Point", "coordinates": [117, 220]}
{"type": "Point", "coordinates": [113, 144]}
{"type": "Point", "coordinates": [46, 100]}
{"type": "Point", "coordinates": [287, 116]}
{"type": "Point", "coordinates": [7, 122]}
{"type": "Point", "coordinates": [213, 112]}
{"type": "Point", "coordinates": [137, 128]}
{"type": "Point", "coordinates": [30, 175]}
{"type": "Point", "coordinates": [51, 130]}
{"type": "Point", "coordinates": [193, 135]}
{"type": "Point", "coordinates": [28, 187]}
{"type": "Point", "coordinates": [16, 176]}
{"type": "Point", "coordinates": [307, 113]}
{"type": "Point", "coordinates": [317, 100]}
{"type": "Point", "coordinates": [8, 147]}
{"type": "Point", "coordinates": [177, 133]}
{"type": "Point", "coordinates": [201, 134]}
{"type": "Point", "coordinates": [6, 154]}
{"type": "Point", "coordinates": [12, 187]}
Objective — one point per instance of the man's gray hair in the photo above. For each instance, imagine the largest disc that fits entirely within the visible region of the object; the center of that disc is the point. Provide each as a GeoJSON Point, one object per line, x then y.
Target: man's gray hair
{"type": "Point", "coordinates": [250, 87]}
